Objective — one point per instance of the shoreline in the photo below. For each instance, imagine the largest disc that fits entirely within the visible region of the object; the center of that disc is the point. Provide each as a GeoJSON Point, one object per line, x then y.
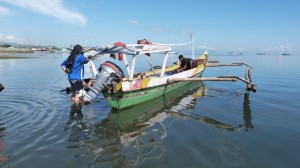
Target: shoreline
{"type": "Point", "coordinates": [14, 57]}
{"type": "Point", "coordinates": [15, 50]}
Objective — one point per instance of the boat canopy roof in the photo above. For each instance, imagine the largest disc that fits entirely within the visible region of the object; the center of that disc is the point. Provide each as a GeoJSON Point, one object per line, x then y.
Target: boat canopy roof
{"type": "Point", "coordinates": [142, 47]}
{"type": "Point", "coordinates": [134, 49]}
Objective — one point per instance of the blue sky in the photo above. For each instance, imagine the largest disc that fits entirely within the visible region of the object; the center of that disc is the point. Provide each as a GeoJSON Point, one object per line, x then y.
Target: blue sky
{"type": "Point", "coordinates": [247, 26]}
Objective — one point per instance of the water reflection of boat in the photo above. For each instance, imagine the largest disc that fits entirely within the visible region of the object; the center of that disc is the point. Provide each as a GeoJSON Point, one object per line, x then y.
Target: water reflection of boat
{"type": "Point", "coordinates": [247, 113]}
{"type": "Point", "coordinates": [140, 129]}
{"type": "Point", "coordinates": [128, 137]}
{"type": "Point", "coordinates": [128, 119]}
{"type": "Point", "coordinates": [210, 121]}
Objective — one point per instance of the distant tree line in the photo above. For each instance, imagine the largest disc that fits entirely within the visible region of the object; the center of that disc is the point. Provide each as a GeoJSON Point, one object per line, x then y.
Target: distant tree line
{"type": "Point", "coordinates": [5, 45]}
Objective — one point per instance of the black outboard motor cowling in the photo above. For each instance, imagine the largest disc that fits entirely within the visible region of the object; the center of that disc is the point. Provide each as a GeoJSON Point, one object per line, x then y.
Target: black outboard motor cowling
{"type": "Point", "coordinates": [109, 73]}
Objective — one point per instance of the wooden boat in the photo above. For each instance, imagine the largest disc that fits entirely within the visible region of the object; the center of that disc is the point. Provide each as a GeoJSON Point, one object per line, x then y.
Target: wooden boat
{"type": "Point", "coordinates": [126, 91]}
{"type": "Point", "coordinates": [140, 90]}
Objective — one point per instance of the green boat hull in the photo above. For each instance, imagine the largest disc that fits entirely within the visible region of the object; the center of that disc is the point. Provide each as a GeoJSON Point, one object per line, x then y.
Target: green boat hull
{"type": "Point", "coordinates": [122, 100]}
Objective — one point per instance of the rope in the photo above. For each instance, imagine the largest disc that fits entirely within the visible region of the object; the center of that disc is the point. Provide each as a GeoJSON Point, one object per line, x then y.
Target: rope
{"type": "Point", "coordinates": [51, 84]}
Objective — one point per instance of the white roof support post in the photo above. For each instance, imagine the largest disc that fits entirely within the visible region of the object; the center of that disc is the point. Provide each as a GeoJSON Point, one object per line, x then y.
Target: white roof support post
{"type": "Point", "coordinates": [94, 70]}
{"type": "Point", "coordinates": [126, 64]}
{"type": "Point", "coordinates": [193, 50]}
{"type": "Point", "coordinates": [193, 46]}
{"type": "Point", "coordinates": [132, 68]}
{"type": "Point", "coordinates": [163, 68]}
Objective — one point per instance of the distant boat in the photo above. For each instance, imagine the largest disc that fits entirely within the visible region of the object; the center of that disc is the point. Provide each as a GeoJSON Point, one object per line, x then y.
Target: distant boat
{"type": "Point", "coordinates": [38, 49]}
{"type": "Point", "coordinates": [65, 50]}
{"type": "Point", "coordinates": [261, 53]}
{"type": "Point", "coordinates": [285, 54]}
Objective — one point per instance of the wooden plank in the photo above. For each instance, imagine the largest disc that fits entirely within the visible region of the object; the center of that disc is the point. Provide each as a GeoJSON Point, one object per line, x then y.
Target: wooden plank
{"type": "Point", "coordinates": [217, 65]}
{"type": "Point", "coordinates": [201, 79]}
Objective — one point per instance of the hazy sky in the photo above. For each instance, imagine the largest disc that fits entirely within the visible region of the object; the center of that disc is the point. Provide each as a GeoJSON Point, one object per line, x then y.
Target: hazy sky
{"type": "Point", "coordinates": [217, 25]}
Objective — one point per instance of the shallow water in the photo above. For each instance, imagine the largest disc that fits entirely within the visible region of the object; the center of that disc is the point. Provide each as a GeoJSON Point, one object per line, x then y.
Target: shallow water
{"type": "Point", "coordinates": [211, 124]}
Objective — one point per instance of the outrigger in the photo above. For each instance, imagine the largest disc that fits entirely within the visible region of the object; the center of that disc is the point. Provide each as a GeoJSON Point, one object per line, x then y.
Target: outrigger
{"type": "Point", "coordinates": [122, 91]}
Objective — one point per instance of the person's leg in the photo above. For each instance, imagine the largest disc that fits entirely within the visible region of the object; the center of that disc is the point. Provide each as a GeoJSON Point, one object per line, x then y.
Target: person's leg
{"type": "Point", "coordinates": [77, 86]}
{"type": "Point", "coordinates": [75, 109]}
{"type": "Point", "coordinates": [77, 98]}
{"type": "Point", "coordinates": [89, 83]}
{"type": "Point", "coordinates": [78, 102]}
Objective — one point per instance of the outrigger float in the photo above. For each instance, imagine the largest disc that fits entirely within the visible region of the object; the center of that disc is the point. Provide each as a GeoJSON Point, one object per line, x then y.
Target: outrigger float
{"type": "Point", "coordinates": [122, 91]}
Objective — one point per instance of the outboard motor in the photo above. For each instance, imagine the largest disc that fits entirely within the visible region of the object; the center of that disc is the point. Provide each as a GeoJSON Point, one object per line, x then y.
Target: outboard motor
{"type": "Point", "coordinates": [109, 75]}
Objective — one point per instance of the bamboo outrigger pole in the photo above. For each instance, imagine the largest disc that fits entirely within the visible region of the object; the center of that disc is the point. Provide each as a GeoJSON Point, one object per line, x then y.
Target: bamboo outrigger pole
{"type": "Point", "coordinates": [217, 65]}
{"type": "Point", "coordinates": [202, 79]}
{"type": "Point", "coordinates": [248, 80]}
{"type": "Point", "coordinates": [250, 84]}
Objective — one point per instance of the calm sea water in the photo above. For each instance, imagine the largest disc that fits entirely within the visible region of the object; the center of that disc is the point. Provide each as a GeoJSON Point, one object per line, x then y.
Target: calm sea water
{"type": "Point", "coordinates": [211, 124]}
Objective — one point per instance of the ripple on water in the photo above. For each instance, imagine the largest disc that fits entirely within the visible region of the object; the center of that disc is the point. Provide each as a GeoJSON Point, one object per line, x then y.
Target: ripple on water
{"type": "Point", "coordinates": [28, 122]}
